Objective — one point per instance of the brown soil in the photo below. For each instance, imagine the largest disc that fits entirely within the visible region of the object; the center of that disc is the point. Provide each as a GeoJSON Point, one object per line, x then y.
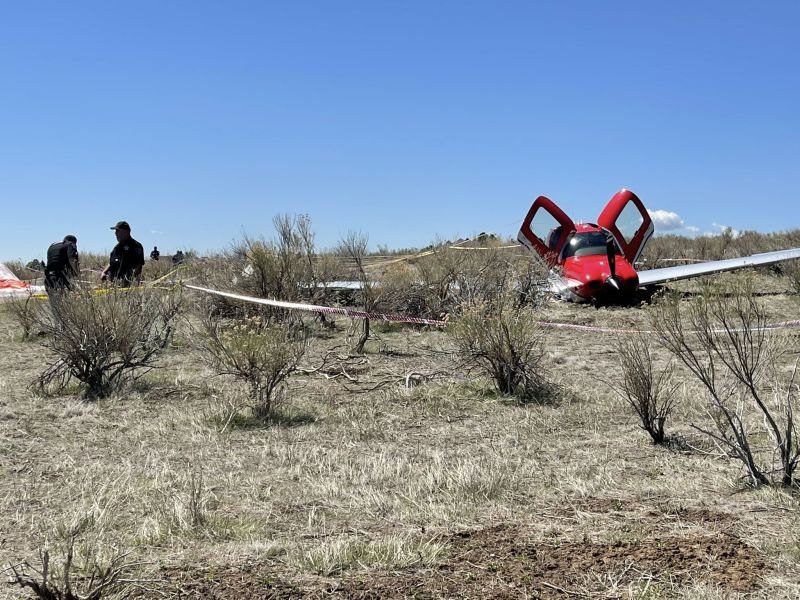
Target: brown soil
{"type": "Point", "coordinates": [504, 562]}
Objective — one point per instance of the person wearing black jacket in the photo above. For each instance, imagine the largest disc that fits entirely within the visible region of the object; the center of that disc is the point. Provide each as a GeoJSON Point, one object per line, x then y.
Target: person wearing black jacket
{"type": "Point", "coordinates": [63, 265]}
{"type": "Point", "coordinates": [127, 257]}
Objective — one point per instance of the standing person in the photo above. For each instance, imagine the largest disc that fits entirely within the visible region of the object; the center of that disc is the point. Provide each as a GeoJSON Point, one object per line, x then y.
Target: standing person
{"type": "Point", "coordinates": [155, 254]}
{"type": "Point", "coordinates": [63, 265]}
{"type": "Point", "coordinates": [127, 257]}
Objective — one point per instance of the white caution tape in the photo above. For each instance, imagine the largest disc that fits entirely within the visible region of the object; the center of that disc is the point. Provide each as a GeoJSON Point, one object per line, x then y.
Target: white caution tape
{"type": "Point", "coordinates": [348, 312]}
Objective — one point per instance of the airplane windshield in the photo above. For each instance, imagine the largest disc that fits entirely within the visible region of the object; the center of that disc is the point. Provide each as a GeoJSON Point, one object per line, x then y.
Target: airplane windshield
{"type": "Point", "coordinates": [588, 243]}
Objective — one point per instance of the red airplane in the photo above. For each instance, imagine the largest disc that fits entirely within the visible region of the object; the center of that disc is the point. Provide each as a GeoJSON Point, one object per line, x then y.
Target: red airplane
{"type": "Point", "coordinates": [594, 261]}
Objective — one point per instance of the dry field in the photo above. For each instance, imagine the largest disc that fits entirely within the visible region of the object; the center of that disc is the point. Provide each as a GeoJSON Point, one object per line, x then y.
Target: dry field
{"type": "Point", "coordinates": [371, 489]}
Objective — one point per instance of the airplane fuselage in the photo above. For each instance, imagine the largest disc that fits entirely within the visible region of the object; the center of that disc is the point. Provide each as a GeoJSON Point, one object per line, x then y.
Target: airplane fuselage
{"type": "Point", "coordinates": [585, 266]}
{"type": "Point", "coordinates": [590, 277]}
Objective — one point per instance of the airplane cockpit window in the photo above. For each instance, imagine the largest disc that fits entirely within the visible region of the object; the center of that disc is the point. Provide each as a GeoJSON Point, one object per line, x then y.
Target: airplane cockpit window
{"type": "Point", "coordinates": [629, 221]}
{"type": "Point", "coordinates": [588, 243]}
{"type": "Point", "coordinates": [545, 227]}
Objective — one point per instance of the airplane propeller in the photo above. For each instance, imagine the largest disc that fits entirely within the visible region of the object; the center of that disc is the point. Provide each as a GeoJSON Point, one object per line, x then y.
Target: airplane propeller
{"type": "Point", "coordinates": [612, 262]}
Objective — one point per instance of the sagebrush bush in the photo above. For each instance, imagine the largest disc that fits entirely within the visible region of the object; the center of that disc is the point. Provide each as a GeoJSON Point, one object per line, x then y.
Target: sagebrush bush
{"type": "Point", "coordinates": [484, 271]}
{"type": "Point", "coordinates": [505, 342]}
{"type": "Point", "coordinates": [256, 353]}
{"type": "Point", "coordinates": [438, 273]}
{"type": "Point", "coordinates": [105, 339]}
{"type": "Point", "coordinates": [287, 267]}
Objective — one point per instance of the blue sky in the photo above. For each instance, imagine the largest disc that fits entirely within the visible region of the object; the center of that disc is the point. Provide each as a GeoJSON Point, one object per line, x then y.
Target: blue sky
{"type": "Point", "coordinates": [199, 121]}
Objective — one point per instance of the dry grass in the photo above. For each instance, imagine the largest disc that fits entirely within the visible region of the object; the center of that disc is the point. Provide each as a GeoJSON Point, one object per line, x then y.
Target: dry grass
{"type": "Point", "coordinates": [359, 486]}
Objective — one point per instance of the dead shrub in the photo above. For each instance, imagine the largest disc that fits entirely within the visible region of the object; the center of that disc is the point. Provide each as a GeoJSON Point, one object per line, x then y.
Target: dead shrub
{"type": "Point", "coordinates": [256, 353]}
{"type": "Point", "coordinates": [78, 575]}
{"type": "Point", "coordinates": [106, 340]}
{"type": "Point", "coordinates": [649, 391]}
{"type": "Point", "coordinates": [721, 338]}
{"type": "Point", "coordinates": [354, 247]}
{"type": "Point", "coordinates": [505, 342]}
{"type": "Point", "coordinates": [25, 312]}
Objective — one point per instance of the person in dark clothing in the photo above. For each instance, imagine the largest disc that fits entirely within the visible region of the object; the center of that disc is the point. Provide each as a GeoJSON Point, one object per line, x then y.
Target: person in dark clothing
{"type": "Point", "coordinates": [127, 257]}
{"type": "Point", "coordinates": [63, 265]}
{"type": "Point", "coordinates": [178, 258]}
{"type": "Point", "coordinates": [37, 265]}
{"type": "Point", "coordinates": [155, 254]}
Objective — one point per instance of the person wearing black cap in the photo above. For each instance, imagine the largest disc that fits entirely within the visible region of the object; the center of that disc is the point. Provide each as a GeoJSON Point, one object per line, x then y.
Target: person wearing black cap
{"type": "Point", "coordinates": [127, 257]}
{"type": "Point", "coordinates": [63, 265]}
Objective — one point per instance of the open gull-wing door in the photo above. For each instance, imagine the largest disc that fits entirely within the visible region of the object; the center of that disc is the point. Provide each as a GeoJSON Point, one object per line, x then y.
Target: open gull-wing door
{"type": "Point", "coordinates": [545, 229]}
{"type": "Point", "coordinates": [628, 220]}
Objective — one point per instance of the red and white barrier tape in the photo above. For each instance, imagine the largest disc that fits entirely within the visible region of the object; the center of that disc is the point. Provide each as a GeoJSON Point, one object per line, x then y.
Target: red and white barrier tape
{"type": "Point", "coordinates": [348, 312]}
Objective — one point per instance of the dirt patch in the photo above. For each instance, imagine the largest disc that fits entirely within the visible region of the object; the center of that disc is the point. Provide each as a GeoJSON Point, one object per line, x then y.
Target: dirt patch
{"type": "Point", "coordinates": [655, 518]}
{"type": "Point", "coordinates": [503, 562]}
{"type": "Point", "coordinates": [703, 516]}
{"type": "Point", "coordinates": [258, 582]}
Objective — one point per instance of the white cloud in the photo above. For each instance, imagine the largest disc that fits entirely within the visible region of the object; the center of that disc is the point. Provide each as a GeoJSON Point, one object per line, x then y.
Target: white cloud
{"type": "Point", "coordinates": [666, 220]}
{"type": "Point", "coordinates": [692, 229]}
{"type": "Point", "coordinates": [156, 232]}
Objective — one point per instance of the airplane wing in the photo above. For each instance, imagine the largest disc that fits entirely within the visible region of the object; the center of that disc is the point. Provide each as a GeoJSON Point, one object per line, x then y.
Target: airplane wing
{"type": "Point", "coordinates": [653, 276]}
{"type": "Point", "coordinates": [344, 285]}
